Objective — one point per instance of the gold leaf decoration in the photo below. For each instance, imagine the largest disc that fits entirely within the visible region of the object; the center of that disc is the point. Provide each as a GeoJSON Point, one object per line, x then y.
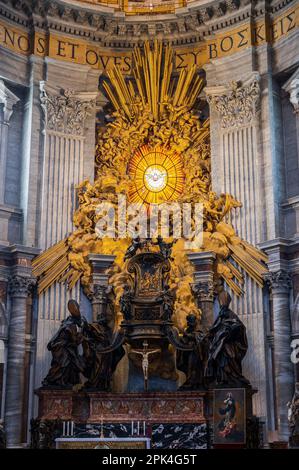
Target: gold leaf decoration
{"type": "Point", "coordinates": [154, 113]}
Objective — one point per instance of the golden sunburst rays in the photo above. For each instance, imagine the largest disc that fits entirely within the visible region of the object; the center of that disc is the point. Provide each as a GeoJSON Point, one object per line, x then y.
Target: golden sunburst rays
{"type": "Point", "coordinates": [244, 256]}
{"type": "Point", "coordinates": [156, 150]}
{"type": "Point", "coordinates": [156, 175]}
{"type": "Point", "coordinates": [51, 265]}
{"type": "Point", "coordinates": [155, 85]}
{"type": "Point", "coordinates": [250, 259]}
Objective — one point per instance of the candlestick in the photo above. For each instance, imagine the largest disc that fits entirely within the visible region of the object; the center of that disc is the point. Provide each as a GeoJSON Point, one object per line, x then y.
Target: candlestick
{"type": "Point", "coordinates": [102, 429]}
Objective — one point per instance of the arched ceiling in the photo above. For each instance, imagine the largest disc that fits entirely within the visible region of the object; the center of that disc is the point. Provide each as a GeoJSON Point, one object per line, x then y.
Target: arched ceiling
{"type": "Point", "coordinates": [141, 7]}
{"type": "Point", "coordinates": [125, 23]}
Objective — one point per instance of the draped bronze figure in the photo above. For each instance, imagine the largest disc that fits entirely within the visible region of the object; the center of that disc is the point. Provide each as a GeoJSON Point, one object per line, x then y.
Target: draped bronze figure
{"type": "Point", "coordinates": [227, 347]}
{"type": "Point", "coordinates": [66, 362]}
{"type": "Point", "coordinates": [99, 365]}
{"type": "Point", "coordinates": [192, 362]}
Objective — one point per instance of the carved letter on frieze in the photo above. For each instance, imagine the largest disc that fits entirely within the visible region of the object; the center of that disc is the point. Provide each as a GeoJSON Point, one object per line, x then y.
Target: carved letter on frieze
{"type": "Point", "coordinates": [237, 105]}
{"type": "Point", "coordinates": [66, 112]}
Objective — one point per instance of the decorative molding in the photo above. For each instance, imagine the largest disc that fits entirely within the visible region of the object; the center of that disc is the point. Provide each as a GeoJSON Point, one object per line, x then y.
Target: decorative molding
{"type": "Point", "coordinates": [20, 285]}
{"type": "Point", "coordinates": [292, 87]}
{"type": "Point", "coordinates": [278, 280]}
{"type": "Point", "coordinates": [168, 407]}
{"type": "Point", "coordinates": [102, 22]}
{"type": "Point", "coordinates": [7, 100]}
{"type": "Point", "coordinates": [237, 104]}
{"type": "Point", "coordinates": [204, 291]}
{"type": "Point", "coordinates": [294, 94]}
{"type": "Point", "coordinates": [100, 294]}
{"type": "Point", "coordinates": [67, 111]}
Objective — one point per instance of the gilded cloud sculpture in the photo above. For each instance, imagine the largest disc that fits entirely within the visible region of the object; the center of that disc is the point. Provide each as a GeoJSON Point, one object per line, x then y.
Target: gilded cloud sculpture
{"type": "Point", "coordinates": [155, 150]}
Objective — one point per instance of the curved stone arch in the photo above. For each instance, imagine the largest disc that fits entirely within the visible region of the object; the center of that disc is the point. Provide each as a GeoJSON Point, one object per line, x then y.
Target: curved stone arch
{"type": "Point", "coordinates": [295, 316]}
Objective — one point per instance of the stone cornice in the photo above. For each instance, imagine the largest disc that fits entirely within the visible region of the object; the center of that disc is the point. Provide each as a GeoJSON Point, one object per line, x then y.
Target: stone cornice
{"type": "Point", "coordinates": [279, 5]}
{"type": "Point", "coordinates": [103, 25]}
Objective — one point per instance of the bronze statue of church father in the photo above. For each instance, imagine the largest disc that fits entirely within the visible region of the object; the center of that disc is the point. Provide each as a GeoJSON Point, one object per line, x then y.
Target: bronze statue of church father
{"type": "Point", "coordinates": [79, 384]}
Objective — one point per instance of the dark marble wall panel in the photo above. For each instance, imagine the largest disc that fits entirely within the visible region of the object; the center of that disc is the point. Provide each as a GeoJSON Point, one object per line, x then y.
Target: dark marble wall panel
{"type": "Point", "coordinates": [163, 436]}
{"type": "Point", "coordinates": [179, 436]}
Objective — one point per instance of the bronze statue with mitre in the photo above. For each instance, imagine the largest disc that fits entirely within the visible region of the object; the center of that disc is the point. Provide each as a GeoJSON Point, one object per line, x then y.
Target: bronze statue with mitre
{"type": "Point", "coordinates": [66, 364]}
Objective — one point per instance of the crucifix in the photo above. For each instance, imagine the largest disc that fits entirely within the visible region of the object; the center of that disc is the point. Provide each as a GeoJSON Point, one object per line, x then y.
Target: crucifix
{"type": "Point", "coordinates": [145, 352]}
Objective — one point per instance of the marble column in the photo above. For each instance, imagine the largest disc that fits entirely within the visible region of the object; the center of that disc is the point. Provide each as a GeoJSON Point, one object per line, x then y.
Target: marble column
{"type": "Point", "coordinates": [203, 287]}
{"type": "Point", "coordinates": [280, 283]}
{"type": "Point", "coordinates": [19, 290]}
{"type": "Point", "coordinates": [7, 102]}
{"type": "Point", "coordinates": [100, 264]}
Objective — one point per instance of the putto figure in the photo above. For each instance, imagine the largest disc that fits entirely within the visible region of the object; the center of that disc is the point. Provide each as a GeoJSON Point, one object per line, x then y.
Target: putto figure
{"type": "Point", "coordinates": [132, 249]}
{"type": "Point", "coordinates": [125, 303]}
{"type": "Point", "coordinates": [227, 347]}
{"type": "Point", "coordinates": [165, 248]}
{"type": "Point", "coordinates": [66, 364]}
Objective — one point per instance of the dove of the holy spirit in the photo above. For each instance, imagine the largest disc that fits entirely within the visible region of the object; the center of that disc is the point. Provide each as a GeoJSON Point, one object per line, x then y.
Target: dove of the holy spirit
{"type": "Point", "coordinates": [155, 177]}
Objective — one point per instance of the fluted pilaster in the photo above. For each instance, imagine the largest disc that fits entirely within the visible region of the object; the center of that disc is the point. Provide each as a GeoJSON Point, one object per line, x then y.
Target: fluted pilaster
{"type": "Point", "coordinates": [65, 113]}
{"type": "Point", "coordinates": [235, 115]}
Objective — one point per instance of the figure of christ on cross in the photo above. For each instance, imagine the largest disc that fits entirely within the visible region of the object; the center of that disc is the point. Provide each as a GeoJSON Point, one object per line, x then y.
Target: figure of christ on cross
{"type": "Point", "coordinates": [145, 352]}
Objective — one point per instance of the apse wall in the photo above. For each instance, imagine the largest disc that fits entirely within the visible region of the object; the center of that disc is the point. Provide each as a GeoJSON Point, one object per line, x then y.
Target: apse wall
{"type": "Point", "coordinates": [256, 160]}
